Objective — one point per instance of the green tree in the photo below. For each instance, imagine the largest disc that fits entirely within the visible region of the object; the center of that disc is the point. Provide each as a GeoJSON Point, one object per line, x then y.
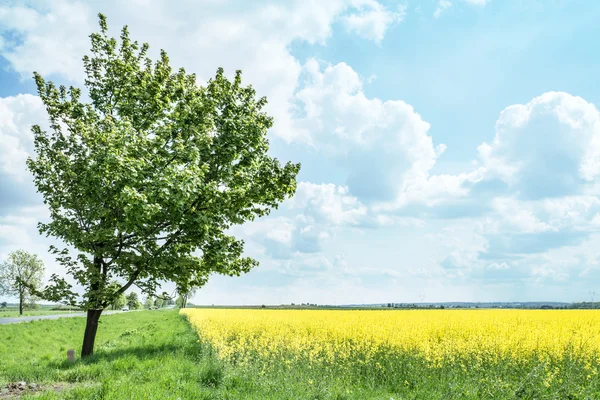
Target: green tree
{"type": "Point", "coordinates": [158, 302]}
{"type": "Point", "coordinates": [145, 181]}
{"type": "Point", "coordinates": [185, 292]}
{"type": "Point", "coordinates": [119, 302]}
{"type": "Point", "coordinates": [133, 301]}
{"type": "Point", "coordinates": [3, 304]}
{"type": "Point", "coordinates": [149, 302]}
{"type": "Point", "coordinates": [20, 275]}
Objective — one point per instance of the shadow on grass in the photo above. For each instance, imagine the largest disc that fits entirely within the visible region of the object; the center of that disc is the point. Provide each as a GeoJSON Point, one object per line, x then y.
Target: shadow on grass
{"type": "Point", "coordinates": [191, 351]}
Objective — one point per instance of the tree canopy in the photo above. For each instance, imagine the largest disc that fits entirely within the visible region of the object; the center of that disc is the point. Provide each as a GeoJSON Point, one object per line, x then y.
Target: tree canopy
{"type": "Point", "coordinates": [20, 275]}
{"type": "Point", "coordinates": [145, 179]}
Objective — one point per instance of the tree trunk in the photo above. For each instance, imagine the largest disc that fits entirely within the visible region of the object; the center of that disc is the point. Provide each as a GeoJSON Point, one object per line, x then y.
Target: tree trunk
{"type": "Point", "coordinates": [89, 337]}
{"type": "Point", "coordinates": [21, 299]}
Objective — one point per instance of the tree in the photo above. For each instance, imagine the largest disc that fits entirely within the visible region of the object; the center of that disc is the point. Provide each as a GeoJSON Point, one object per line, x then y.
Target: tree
{"type": "Point", "coordinates": [145, 180]}
{"type": "Point", "coordinates": [133, 302]}
{"type": "Point", "coordinates": [148, 303]}
{"type": "Point", "coordinates": [3, 304]}
{"type": "Point", "coordinates": [31, 303]}
{"type": "Point", "coordinates": [185, 292]}
{"type": "Point", "coordinates": [20, 275]}
{"type": "Point", "coordinates": [158, 302]}
{"type": "Point", "coordinates": [119, 302]}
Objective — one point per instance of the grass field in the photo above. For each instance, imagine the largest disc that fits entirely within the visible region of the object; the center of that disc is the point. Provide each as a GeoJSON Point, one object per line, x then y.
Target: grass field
{"type": "Point", "coordinates": [11, 313]}
{"type": "Point", "coordinates": [139, 355]}
{"type": "Point", "coordinates": [276, 354]}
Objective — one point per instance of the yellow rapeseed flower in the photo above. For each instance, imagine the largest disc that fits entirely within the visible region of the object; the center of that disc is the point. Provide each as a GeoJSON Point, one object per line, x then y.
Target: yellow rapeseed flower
{"type": "Point", "coordinates": [468, 338]}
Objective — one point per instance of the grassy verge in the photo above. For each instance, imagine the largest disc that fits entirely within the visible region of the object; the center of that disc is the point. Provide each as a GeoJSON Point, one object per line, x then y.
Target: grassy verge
{"type": "Point", "coordinates": [15, 313]}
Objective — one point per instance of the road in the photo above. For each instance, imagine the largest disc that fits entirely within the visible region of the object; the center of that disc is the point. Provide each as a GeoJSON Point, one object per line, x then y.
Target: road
{"type": "Point", "coordinates": [16, 320]}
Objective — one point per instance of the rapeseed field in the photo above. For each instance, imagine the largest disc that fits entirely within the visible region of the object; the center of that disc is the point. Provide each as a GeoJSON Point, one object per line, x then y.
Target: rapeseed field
{"type": "Point", "coordinates": [521, 352]}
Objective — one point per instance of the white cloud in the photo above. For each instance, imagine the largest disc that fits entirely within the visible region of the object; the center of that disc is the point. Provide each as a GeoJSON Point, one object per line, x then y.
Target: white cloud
{"type": "Point", "coordinates": [372, 19]}
{"type": "Point", "coordinates": [328, 203]}
{"type": "Point", "coordinates": [477, 2]}
{"type": "Point", "coordinates": [229, 34]}
{"type": "Point", "coordinates": [283, 237]}
{"type": "Point", "coordinates": [441, 7]}
{"type": "Point", "coordinates": [549, 147]}
{"type": "Point", "coordinates": [17, 115]}
{"type": "Point", "coordinates": [384, 146]}
{"type": "Point", "coordinates": [52, 42]}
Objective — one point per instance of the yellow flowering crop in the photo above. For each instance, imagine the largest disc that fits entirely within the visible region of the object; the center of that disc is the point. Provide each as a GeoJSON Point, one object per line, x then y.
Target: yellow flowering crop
{"type": "Point", "coordinates": [466, 338]}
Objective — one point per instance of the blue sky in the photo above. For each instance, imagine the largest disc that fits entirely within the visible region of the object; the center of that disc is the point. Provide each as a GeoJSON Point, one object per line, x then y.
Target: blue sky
{"type": "Point", "coordinates": [450, 148]}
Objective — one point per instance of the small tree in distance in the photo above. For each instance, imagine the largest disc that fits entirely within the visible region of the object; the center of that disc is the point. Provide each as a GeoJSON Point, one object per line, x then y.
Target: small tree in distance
{"type": "Point", "coordinates": [184, 294]}
{"type": "Point", "coordinates": [20, 275]}
{"type": "Point", "coordinates": [133, 301]}
{"type": "Point", "coordinates": [119, 302]}
{"type": "Point", "coordinates": [149, 302]}
{"type": "Point", "coordinates": [145, 181]}
{"type": "Point", "coordinates": [158, 302]}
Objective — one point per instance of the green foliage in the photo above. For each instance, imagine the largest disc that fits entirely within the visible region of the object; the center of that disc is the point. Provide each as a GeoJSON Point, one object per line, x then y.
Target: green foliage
{"type": "Point", "coordinates": [119, 302]}
{"type": "Point", "coordinates": [158, 302]}
{"type": "Point", "coordinates": [148, 303]}
{"type": "Point", "coordinates": [185, 292]}
{"type": "Point", "coordinates": [133, 301]}
{"type": "Point", "coordinates": [145, 180]}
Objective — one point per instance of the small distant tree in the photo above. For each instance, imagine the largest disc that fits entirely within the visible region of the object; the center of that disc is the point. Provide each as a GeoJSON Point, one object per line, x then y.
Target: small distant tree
{"type": "Point", "coordinates": [133, 301]}
{"type": "Point", "coordinates": [185, 292]}
{"type": "Point", "coordinates": [32, 303]}
{"type": "Point", "coordinates": [20, 275]}
{"type": "Point", "coordinates": [119, 302]}
{"type": "Point", "coordinates": [158, 302]}
{"type": "Point", "coordinates": [149, 302]}
{"type": "Point", "coordinates": [3, 304]}
{"type": "Point", "coordinates": [146, 178]}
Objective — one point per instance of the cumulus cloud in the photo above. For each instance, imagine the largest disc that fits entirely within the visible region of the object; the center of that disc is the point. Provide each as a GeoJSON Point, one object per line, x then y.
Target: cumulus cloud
{"type": "Point", "coordinates": [384, 146]}
{"type": "Point", "coordinates": [284, 237]}
{"type": "Point", "coordinates": [329, 203]}
{"type": "Point", "coordinates": [231, 34]}
{"type": "Point", "coordinates": [549, 147]}
{"type": "Point", "coordinates": [17, 115]}
{"type": "Point", "coordinates": [372, 19]}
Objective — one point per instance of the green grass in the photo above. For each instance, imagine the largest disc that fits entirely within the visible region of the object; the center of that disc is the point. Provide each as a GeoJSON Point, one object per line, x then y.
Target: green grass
{"type": "Point", "coordinates": [156, 355]}
{"type": "Point", "coordinates": [141, 355]}
{"type": "Point", "coordinates": [10, 313]}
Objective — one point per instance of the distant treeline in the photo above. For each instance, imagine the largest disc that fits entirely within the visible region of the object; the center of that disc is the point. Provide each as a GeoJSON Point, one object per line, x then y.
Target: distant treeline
{"type": "Point", "coordinates": [585, 305]}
